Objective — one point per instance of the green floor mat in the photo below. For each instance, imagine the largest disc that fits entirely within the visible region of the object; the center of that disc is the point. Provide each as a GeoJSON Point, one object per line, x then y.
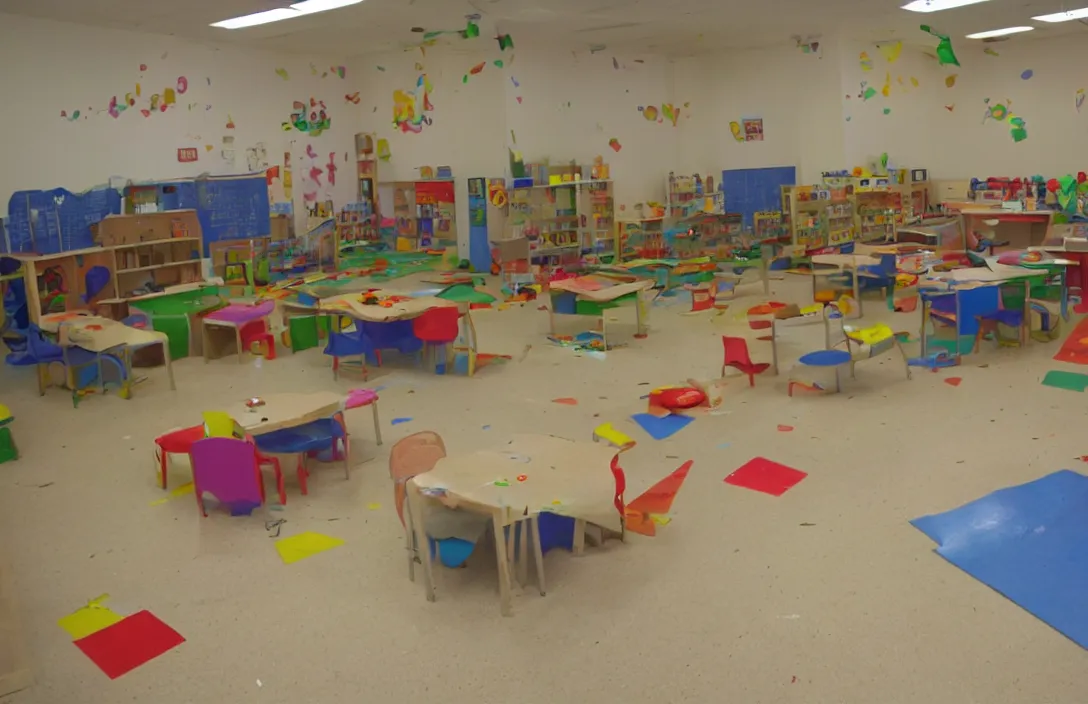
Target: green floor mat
{"type": "Point", "coordinates": [1070, 381]}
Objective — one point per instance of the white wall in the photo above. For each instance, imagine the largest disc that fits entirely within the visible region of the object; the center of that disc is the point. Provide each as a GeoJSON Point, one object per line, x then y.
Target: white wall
{"type": "Point", "coordinates": [571, 106]}
{"type": "Point", "coordinates": [84, 67]}
{"type": "Point", "coordinates": [919, 131]}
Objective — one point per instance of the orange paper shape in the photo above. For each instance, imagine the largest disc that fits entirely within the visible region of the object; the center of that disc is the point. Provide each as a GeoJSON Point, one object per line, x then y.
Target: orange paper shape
{"type": "Point", "coordinates": [953, 380]}
{"type": "Point", "coordinates": [566, 401]}
{"type": "Point", "coordinates": [477, 68]}
{"type": "Point", "coordinates": [655, 500]}
{"type": "Point", "coordinates": [785, 428]}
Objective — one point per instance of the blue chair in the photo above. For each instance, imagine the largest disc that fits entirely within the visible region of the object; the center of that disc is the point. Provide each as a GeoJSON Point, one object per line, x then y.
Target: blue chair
{"type": "Point", "coordinates": [306, 441]}
{"type": "Point", "coordinates": [880, 275]}
{"type": "Point", "coordinates": [395, 335]}
{"type": "Point", "coordinates": [350, 344]}
{"type": "Point", "coordinates": [41, 353]}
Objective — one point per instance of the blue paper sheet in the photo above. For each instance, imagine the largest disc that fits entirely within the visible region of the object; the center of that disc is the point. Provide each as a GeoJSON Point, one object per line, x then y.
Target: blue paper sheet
{"type": "Point", "coordinates": [1028, 542]}
{"type": "Point", "coordinates": [661, 428]}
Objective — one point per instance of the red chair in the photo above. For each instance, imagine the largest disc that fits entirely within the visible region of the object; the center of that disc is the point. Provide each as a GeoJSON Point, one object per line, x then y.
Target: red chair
{"type": "Point", "coordinates": [256, 332]}
{"type": "Point", "coordinates": [180, 442]}
{"type": "Point", "coordinates": [438, 326]}
{"type": "Point", "coordinates": [736, 356]}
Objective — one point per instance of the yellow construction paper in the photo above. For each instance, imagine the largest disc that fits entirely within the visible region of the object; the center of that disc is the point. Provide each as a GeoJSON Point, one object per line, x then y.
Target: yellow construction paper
{"type": "Point", "coordinates": [299, 547]}
{"type": "Point", "coordinates": [660, 520]}
{"type": "Point", "coordinates": [183, 490]}
{"type": "Point", "coordinates": [92, 618]}
{"type": "Point", "coordinates": [891, 51]}
{"type": "Point", "coordinates": [606, 432]}
{"type": "Point", "coordinates": [373, 507]}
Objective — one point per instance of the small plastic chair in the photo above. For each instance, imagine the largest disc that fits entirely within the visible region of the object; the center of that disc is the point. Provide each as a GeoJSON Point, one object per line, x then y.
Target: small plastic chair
{"type": "Point", "coordinates": [180, 442]}
{"type": "Point", "coordinates": [736, 356]}
{"type": "Point", "coordinates": [411, 456]}
{"type": "Point", "coordinates": [357, 398]}
{"type": "Point", "coordinates": [437, 327]}
{"type": "Point", "coordinates": [350, 344]}
{"type": "Point", "coordinates": [821, 358]}
{"type": "Point", "coordinates": [307, 440]}
{"type": "Point", "coordinates": [256, 333]}
{"type": "Point", "coordinates": [227, 469]}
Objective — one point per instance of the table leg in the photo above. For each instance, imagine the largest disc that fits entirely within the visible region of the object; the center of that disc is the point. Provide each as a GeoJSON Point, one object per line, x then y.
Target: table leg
{"type": "Point", "coordinates": [857, 292]}
{"type": "Point", "coordinates": [377, 423]}
{"type": "Point", "coordinates": [204, 339]}
{"type": "Point", "coordinates": [578, 548]}
{"type": "Point", "coordinates": [538, 553]}
{"type": "Point", "coordinates": [238, 341]}
{"type": "Point", "coordinates": [639, 332]}
{"type": "Point", "coordinates": [504, 566]}
{"type": "Point", "coordinates": [169, 364]}
{"type": "Point", "coordinates": [925, 324]}
{"type": "Point", "coordinates": [774, 347]}
{"type": "Point", "coordinates": [1025, 320]}
{"type": "Point", "coordinates": [523, 551]}
{"type": "Point", "coordinates": [423, 548]}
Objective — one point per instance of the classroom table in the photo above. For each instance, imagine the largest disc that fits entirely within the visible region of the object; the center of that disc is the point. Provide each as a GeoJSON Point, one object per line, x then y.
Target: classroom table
{"type": "Point", "coordinates": [600, 293]}
{"type": "Point", "coordinates": [509, 483]}
{"type": "Point", "coordinates": [797, 321]}
{"type": "Point", "coordinates": [846, 262]}
{"type": "Point", "coordinates": [286, 410]}
{"type": "Point", "coordinates": [99, 335]}
{"type": "Point", "coordinates": [1032, 226]}
{"type": "Point", "coordinates": [233, 317]}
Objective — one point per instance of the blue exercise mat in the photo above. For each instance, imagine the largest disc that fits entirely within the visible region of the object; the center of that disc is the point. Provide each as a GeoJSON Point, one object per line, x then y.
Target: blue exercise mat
{"type": "Point", "coordinates": [1028, 542]}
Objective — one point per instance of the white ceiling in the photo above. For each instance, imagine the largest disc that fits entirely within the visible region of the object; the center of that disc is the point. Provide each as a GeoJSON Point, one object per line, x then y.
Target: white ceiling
{"type": "Point", "coordinates": [673, 27]}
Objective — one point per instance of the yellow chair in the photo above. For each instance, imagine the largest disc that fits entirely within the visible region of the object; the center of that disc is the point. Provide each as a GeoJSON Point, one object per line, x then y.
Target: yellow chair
{"type": "Point", "coordinates": [869, 342]}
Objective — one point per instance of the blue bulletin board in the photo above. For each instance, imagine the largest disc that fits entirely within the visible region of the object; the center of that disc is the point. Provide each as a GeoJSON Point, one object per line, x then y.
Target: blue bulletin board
{"type": "Point", "coordinates": [47, 222]}
{"type": "Point", "coordinates": [749, 191]}
{"type": "Point", "coordinates": [231, 207]}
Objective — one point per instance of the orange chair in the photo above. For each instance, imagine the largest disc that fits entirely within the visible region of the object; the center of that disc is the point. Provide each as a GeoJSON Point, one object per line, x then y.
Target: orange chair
{"type": "Point", "coordinates": [411, 456]}
{"type": "Point", "coordinates": [736, 356]}
{"type": "Point", "coordinates": [437, 327]}
{"type": "Point", "coordinates": [256, 333]}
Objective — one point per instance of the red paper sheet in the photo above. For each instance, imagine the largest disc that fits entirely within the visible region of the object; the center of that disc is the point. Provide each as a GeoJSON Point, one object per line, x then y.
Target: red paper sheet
{"type": "Point", "coordinates": [129, 643]}
{"type": "Point", "coordinates": [764, 475]}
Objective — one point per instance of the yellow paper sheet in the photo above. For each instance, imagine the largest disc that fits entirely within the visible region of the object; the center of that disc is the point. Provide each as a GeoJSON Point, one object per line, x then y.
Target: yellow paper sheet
{"type": "Point", "coordinates": [606, 432]}
{"type": "Point", "coordinates": [299, 547]}
{"type": "Point", "coordinates": [183, 490]}
{"type": "Point", "coordinates": [90, 619]}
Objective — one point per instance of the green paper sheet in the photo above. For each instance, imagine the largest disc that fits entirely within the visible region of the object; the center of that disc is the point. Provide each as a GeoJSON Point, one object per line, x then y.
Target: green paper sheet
{"type": "Point", "coordinates": [1070, 381]}
{"type": "Point", "coordinates": [945, 53]}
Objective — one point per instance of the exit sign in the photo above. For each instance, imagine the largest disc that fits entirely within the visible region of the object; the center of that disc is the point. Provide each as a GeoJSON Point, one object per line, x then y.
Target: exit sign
{"type": "Point", "coordinates": [187, 154]}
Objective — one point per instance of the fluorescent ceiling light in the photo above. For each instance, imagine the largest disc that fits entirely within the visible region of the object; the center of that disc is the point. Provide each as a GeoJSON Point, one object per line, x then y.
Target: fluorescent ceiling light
{"type": "Point", "coordinates": [937, 5]}
{"type": "Point", "coordinates": [299, 9]}
{"type": "Point", "coordinates": [1064, 16]}
{"type": "Point", "coordinates": [999, 32]}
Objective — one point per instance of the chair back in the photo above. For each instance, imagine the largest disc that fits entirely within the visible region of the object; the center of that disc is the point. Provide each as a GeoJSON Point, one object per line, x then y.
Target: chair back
{"type": "Point", "coordinates": [973, 302]}
{"type": "Point", "coordinates": [227, 469]}
{"type": "Point", "coordinates": [736, 350]}
{"type": "Point", "coordinates": [888, 264]}
{"type": "Point", "coordinates": [437, 325]}
{"type": "Point", "coordinates": [40, 348]}
{"type": "Point", "coordinates": [416, 454]}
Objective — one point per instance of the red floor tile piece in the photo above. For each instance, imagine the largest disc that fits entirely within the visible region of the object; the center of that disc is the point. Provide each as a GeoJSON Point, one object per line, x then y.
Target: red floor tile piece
{"type": "Point", "coordinates": [763, 475]}
{"type": "Point", "coordinates": [129, 643]}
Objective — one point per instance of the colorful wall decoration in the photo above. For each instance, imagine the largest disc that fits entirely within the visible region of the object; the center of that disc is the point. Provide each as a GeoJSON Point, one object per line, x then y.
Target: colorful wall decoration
{"type": "Point", "coordinates": [313, 119]}
{"type": "Point", "coordinates": [410, 107]}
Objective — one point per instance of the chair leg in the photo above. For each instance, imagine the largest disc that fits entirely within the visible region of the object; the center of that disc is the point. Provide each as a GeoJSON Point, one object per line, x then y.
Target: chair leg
{"type": "Point", "coordinates": [377, 424]}
{"type": "Point", "coordinates": [302, 472]}
{"type": "Point", "coordinates": [752, 380]}
{"type": "Point", "coordinates": [347, 455]}
{"type": "Point", "coordinates": [163, 464]}
{"type": "Point", "coordinates": [199, 500]}
{"type": "Point", "coordinates": [336, 368]}
{"type": "Point", "coordinates": [410, 542]}
{"type": "Point", "coordinates": [523, 551]}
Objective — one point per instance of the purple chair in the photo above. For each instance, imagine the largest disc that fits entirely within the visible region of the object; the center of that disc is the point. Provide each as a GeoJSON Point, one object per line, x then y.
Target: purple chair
{"type": "Point", "coordinates": [227, 469]}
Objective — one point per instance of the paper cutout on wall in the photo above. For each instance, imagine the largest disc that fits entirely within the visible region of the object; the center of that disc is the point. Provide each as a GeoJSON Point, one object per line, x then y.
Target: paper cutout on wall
{"type": "Point", "coordinates": [887, 89]}
{"type": "Point", "coordinates": [410, 107]}
{"type": "Point", "coordinates": [187, 155]}
{"type": "Point", "coordinates": [914, 81]}
{"type": "Point", "coordinates": [1027, 74]}
{"type": "Point", "coordinates": [753, 129]}
{"type": "Point", "coordinates": [143, 67]}
{"type": "Point", "coordinates": [615, 144]}
{"type": "Point", "coordinates": [310, 153]}
{"type": "Point", "coordinates": [950, 81]}
{"type": "Point", "coordinates": [498, 63]}
{"type": "Point", "coordinates": [671, 113]}
{"type": "Point", "coordinates": [890, 51]}
{"type": "Point", "coordinates": [352, 98]}
{"type": "Point", "coordinates": [1078, 99]}
{"type": "Point", "coordinates": [950, 108]}
{"type": "Point", "coordinates": [330, 168]}
{"type": "Point", "coordinates": [313, 120]}
{"type": "Point", "coordinates": [315, 175]}
{"type": "Point", "coordinates": [1017, 126]}
{"type": "Point", "coordinates": [257, 158]}
{"type": "Point", "coordinates": [282, 73]}
{"type": "Point", "coordinates": [505, 42]}
{"type": "Point", "coordinates": [866, 62]}
{"type": "Point", "coordinates": [990, 51]}
{"type": "Point", "coordinates": [475, 70]}
{"type": "Point", "coordinates": [340, 71]}
{"type": "Point", "coordinates": [737, 132]}
{"type": "Point", "coordinates": [383, 150]}
{"type": "Point", "coordinates": [869, 93]}
{"type": "Point", "coordinates": [183, 85]}
{"type": "Point", "coordinates": [649, 112]}
{"type": "Point", "coordinates": [945, 53]}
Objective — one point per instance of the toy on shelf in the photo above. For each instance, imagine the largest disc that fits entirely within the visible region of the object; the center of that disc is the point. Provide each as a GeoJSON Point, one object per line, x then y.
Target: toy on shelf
{"type": "Point", "coordinates": [819, 216]}
{"type": "Point", "coordinates": [688, 195]}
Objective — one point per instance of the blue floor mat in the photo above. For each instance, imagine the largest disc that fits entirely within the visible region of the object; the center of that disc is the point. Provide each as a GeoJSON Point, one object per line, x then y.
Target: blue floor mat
{"type": "Point", "coordinates": [1028, 542]}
